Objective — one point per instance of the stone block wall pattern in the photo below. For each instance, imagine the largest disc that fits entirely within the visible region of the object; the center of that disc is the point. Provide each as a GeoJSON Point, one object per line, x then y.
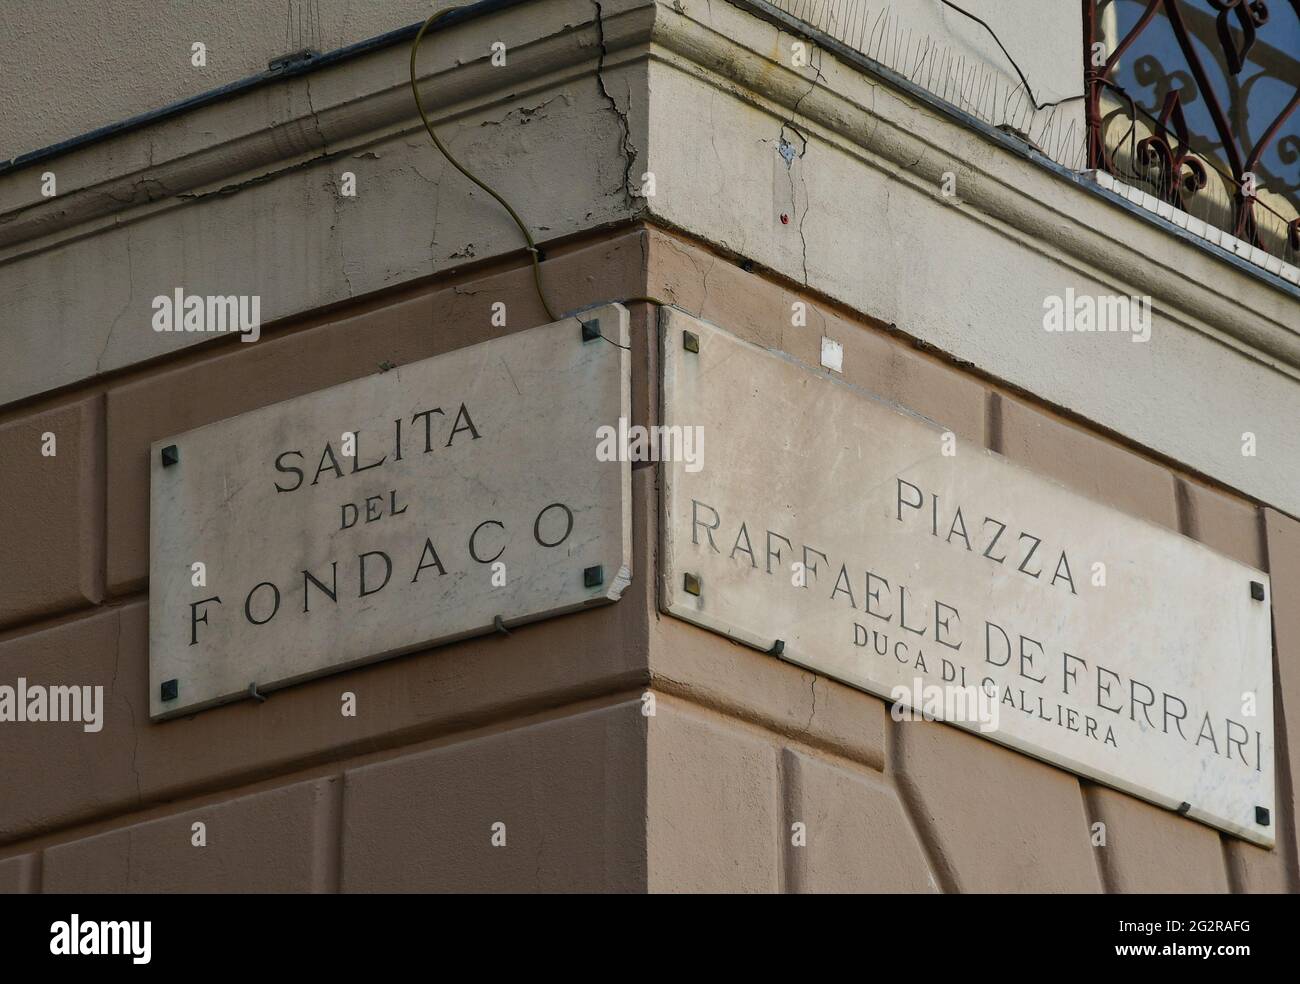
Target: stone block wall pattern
{"type": "Point", "coordinates": [617, 749]}
{"type": "Point", "coordinates": [545, 731]}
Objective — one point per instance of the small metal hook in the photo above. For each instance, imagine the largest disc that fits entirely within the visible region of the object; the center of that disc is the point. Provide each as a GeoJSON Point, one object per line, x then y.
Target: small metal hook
{"type": "Point", "coordinates": [499, 625]}
{"type": "Point", "coordinates": [252, 692]}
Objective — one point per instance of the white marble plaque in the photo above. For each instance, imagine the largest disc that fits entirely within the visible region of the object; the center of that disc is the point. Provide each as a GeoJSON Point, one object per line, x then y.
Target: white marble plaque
{"type": "Point", "coordinates": [861, 541]}
{"type": "Point", "coordinates": [472, 493]}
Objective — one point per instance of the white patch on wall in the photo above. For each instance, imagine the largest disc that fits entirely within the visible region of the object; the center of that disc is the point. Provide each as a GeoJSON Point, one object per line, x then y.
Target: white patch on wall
{"type": "Point", "coordinates": [832, 355]}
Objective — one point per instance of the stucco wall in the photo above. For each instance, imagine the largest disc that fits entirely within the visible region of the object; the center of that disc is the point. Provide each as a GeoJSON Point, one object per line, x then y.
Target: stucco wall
{"type": "Point", "coordinates": [541, 730]}
{"type": "Point", "coordinates": [72, 66]}
{"type": "Point", "coordinates": [1012, 63]}
{"type": "Point", "coordinates": [815, 751]}
{"type": "Point", "coordinates": [545, 730]}
{"type": "Point", "coordinates": [594, 107]}
{"type": "Point", "coordinates": [868, 223]}
{"type": "Point", "coordinates": [253, 187]}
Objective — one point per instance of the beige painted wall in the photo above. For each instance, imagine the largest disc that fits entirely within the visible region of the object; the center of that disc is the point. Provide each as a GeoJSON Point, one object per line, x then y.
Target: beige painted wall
{"type": "Point", "coordinates": [59, 53]}
{"type": "Point", "coordinates": [297, 241]}
{"type": "Point", "coordinates": [928, 300]}
{"type": "Point", "coordinates": [545, 730]}
{"type": "Point", "coordinates": [71, 66]}
{"type": "Point", "coordinates": [955, 57]}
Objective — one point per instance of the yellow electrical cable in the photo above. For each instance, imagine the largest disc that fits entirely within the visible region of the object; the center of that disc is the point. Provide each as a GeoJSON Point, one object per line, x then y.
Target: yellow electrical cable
{"type": "Point", "coordinates": [532, 246]}
{"type": "Point", "coordinates": [415, 91]}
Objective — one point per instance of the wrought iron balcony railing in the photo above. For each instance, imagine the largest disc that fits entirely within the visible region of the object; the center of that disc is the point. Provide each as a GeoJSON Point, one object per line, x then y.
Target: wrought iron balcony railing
{"type": "Point", "coordinates": [1195, 100]}
{"type": "Point", "coordinates": [1195, 103]}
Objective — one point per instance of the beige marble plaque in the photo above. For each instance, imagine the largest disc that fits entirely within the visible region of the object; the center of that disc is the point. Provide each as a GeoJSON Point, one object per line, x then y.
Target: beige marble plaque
{"type": "Point", "coordinates": [473, 493]}
{"type": "Point", "coordinates": [863, 542]}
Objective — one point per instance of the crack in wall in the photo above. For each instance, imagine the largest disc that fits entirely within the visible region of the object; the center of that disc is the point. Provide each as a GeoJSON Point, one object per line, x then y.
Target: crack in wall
{"type": "Point", "coordinates": [812, 713]}
{"type": "Point", "coordinates": [315, 118]}
{"type": "Point", "coordinates": [817, 77]}
{"type": "Point", "coordinates": [629, 152]}
{"type": "Point", "coordinates": [437, 211]}
{"type": "Point", "coordinates": [339, 241]}
{"type": "Point", "coordinates": [713, 130]}
{"type": "Point", "coordinates": [790, 124]}
{"type": "Point", "coordinates": [525, 114]}
{"type": "Point", "coordinates": [130, 294]}
{"type": "Point", "coordinates": [135, 731]}
{"type": "Point", "coordinates": [789, 155]}
{"type": "Point", "coordinates": [238, 186]}
{"type": "Point", "coordinates": [803, 239]}
{"type": "Point", "coordinates": [700, 272]}
{"type": "Point", "coordinates": [152, 188]}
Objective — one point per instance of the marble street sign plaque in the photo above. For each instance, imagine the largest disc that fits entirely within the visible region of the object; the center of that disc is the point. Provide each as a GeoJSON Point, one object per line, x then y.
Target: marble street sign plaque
{"type": "Point", "coordinates": [861, 541]}
{"type": "Point", "coordinates": [391, 513]}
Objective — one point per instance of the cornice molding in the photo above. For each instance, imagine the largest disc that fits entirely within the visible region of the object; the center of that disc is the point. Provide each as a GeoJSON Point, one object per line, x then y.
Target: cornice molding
{"type": "Point", "coordinates": [290, 121]}
{"type": "Point", "coordinates": [881, 119]}
{"type": "Point", "coordinates": [906, 133]}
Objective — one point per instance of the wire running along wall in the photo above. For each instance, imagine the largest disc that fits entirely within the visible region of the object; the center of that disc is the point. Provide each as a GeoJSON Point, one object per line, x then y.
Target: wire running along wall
{"type": "Point", "coordinates": [1194, 101]}
{"type": "Point", "coordinates": [992, 88]}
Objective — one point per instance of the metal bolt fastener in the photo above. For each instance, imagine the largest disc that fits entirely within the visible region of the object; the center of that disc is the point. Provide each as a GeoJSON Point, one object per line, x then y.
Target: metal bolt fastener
{"type": "Point", "coordinates": [778, 648]}
{"type": "Point", "coordinates": [590, 330]}
{"type": "Point", "coordinates": [593, 577]}
{"type": "Point", "coordinates": [170, 455]}
{"type": "Point", "coordinates": [300, 57]}
{"type": "Point", "coordinates": [1261, 815]}
{"type": "Point", "coordinates": [1257, 590]}
{"type": "Point", "coordinates": [691, 342]}
{"type": "Point", "coordinates": [171, 689]}
{"type": "Point", "coordinates": [691, 584]}
{"type": "Point", "coordinates": [1183, 808]}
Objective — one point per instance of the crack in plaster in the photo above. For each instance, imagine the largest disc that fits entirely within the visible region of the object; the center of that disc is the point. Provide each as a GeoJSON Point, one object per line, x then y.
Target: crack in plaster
{"type": "Point", "coordinates": [807, 207]}
{"type": "Point", "coordinates": [782, 146]}
{"type": "Point", "coordinates": [315, 118]}
{"type": "Point", "coordinates": [135, 731]}
{"type": "Point", "coordinates": [238, 186]}
{"type": "Point", "coordinates": [625, 138]}
{"type": "Point", "coordinates": [526, 113]}
{"type": "Point", "coordinates": [817, 77]}
{"type": "Point", "coordinates": [145, 184]}
{"type": "Point", "coordinates": [790, 124]}
{"type": "Point", "coordinates": [437, 205]}
{"type": "Point", "coordinates": [813, 713]}
{"type": "Point", "coordinates": [340, 241]}
{"type": "Point", "coordinates": [701, 273]}
{"type": "Point", "coordinates": [130, 293]}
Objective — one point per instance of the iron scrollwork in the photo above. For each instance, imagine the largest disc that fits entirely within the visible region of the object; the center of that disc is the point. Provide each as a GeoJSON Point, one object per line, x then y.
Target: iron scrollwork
{"type": "Point", "coordinates": [1175, 162]}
